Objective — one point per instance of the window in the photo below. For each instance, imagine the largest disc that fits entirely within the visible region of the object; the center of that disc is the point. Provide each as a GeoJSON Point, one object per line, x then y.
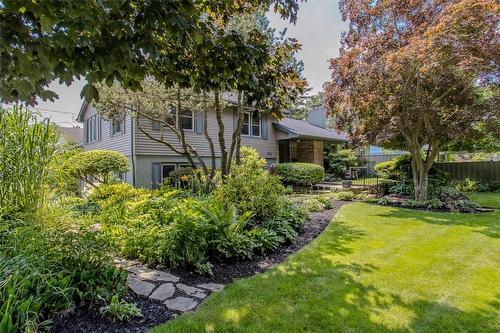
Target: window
{"type": "Point", "coordinates": [256, 124]}
{"type": "Point", "coordinates": [93, 129]}
{"type": "Point", "coordinates": [117, 126]}
{"type": "Point", "coordinates": [186, 121]}
{"type": "Point", "coordinates": [166, 169]}
{"type": "Point", "coordinates": [245, 130]}
{"type": "Point", "coordinates": [251, 124]}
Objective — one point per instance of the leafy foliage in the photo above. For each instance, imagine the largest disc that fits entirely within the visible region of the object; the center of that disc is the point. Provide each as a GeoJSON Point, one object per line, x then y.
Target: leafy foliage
{"type": "Point", "coordinates": [398, 168]}
{"type": "Point", "coordinates": [344, 195]}
{"type": "Point", "coordinates": [98, 164]}
{"type": "Point", "coordinates": [415, 82]}
{"type": "Point", "coordinates": [339, 163]}
{"type": "Point", "coordinates": [470, 185]}
{"type": "Point", "coordinates": [251, 188]}
{"type": "Point", "coordinates": [300, 174]}
{"type": "Point", "coordinates": [26, 149]}
{"type": "Point", "coordinates": [116, 41]}
{"type": "Point", "coordinates": [48, 265]}
{"type": "Point", "coordinates": [120, 310]}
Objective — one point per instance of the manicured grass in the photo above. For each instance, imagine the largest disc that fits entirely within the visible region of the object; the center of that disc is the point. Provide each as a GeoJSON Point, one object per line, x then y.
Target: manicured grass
{"type": "Point", "coordinates": [485, 199]}
{"type": "Point", "coordinates": [375, 269]}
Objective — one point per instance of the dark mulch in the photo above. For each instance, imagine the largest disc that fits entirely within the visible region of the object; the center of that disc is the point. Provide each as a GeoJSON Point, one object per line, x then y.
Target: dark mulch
{"type": "Point", "coordinates": [227, 272]}
{"type": "Point", "coordinates": [84, 320]}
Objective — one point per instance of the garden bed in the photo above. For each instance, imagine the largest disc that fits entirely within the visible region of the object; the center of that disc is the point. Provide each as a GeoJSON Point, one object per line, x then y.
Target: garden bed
{"type": "Point", "coordinates": [84, 319]}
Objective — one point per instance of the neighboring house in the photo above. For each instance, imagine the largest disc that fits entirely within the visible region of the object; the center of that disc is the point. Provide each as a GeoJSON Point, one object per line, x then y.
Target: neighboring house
{"type": "Point", "coordinates": [70, 135]}
{"type": "Point", "coordinates": [286, 140]}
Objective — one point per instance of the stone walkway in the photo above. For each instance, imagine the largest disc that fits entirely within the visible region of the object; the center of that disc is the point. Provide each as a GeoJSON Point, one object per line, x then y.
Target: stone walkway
{"type": "Point", "coordinates": [163, 287]}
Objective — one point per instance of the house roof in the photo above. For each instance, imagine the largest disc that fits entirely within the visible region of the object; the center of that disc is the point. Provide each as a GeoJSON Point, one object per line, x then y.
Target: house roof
{"type": "Point", "coordinates": [302, 129]}
{"type": "Point", "coordinates": [79, 118]}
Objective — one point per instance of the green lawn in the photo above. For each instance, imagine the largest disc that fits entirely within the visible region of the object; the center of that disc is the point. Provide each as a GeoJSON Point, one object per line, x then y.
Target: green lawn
{"type": "Point", "coordinates": [485, 199]}
{"type": "Point", "coordinates": [375, 269]}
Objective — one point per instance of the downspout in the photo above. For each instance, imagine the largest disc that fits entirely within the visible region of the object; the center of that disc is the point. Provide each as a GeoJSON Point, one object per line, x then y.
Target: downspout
{"type": "Point", "coordinates": [132, 148]}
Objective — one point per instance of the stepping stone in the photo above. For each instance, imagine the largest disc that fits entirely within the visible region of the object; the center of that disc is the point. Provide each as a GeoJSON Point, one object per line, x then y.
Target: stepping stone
{"type": "Point", "coordinates": [152, 275]}
{"type": "Point", "coordinates": [211, 286]}
{"type": "Point", "coordinates": [163, 292]}
{"type": "Point", "coordinates": [180, 303]}
{"type": "Point", "coordinates": [140, 287]}
{"type": "Point", "coordinates": [192, 291]}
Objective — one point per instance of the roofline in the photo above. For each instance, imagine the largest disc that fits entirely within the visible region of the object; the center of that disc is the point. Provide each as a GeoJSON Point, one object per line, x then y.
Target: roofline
{"type": "Point", "coordinates": [299, 136]}
{"type": "Point", "coordinates": [79, 118]}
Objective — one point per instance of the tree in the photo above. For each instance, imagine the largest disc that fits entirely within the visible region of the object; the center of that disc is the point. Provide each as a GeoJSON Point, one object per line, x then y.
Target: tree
{"type": "Point", "coordinates": [306, 104]}
{"type": "Point", "coordinates": [245, 58]}
{"type": "Point", "coordinates": [409, 75]}
{"type": "Point", "coordinates": [112, 40]}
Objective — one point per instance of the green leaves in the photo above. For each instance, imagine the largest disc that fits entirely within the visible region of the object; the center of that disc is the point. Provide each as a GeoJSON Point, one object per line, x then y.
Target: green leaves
{"type": "Point", "coordinates": [89, 92]}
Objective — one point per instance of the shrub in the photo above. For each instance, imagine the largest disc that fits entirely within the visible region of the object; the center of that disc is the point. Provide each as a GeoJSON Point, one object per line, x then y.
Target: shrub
{"type": "Point", "coordinates": [120, 310]}
{"type": "Point", "coordinates": [398, 168]}
{"type": "Point", "coordinates": [434, 203]}
{"type": "Point", "coordinates": [412, 204]}
{"type": "Point", "coordinates": [339, 163]}
{"type": "Point", "coordinates": [455, 201]}
{"type": "Point", "coordinates": [287, 222]}
{"type": "Point", "coordinates": [47, 266]}
{"type": "Point", "coordinates": [344, 195]}
{"type": "Point", "coordinates": [312, 205]}
{"type": "Point", "coordinates": [26, 148]}
{"type": "Point", "coordinates": [300, 174]}
{"type": "Point", "coordinates": [325, 201]}
{"type": "Point", "coordinates": [470, 185]}
{"type": "Point", "coordinates": [61, 180]}
{"type": "Point", "coordinates": [361, 196]}
{"type": "Point", "coordinates": [100, 165]}
{"type": "Point", "coordinates": [401, 188]}
{"type": "Point", "coordinates": [383, 201]}
{"type": "Point", "coordinates": [250, 188]}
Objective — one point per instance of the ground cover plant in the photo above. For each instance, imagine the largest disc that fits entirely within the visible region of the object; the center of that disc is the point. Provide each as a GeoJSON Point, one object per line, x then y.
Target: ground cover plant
{"type": "Point", "coordinates": [356, 275]}
{"type": "Point", "coordinates": [247, 214]}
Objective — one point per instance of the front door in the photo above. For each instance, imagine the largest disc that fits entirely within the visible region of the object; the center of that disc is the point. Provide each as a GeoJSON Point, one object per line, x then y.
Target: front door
{"type": "Point", "coordinates": [284, 151]}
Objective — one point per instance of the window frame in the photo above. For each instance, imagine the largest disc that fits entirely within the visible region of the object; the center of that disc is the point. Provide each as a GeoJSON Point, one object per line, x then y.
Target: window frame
{"type": "Point", "coordinates": [121, 121]}
{"type": "Point", "coordinates": [192, 116]}
{"type": "Point", "coordinates": [93, 129]}
{"type": "Point", "coordinates": [250, 133]}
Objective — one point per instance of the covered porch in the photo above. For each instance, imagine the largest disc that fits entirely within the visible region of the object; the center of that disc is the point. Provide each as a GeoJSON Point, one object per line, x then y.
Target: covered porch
{"type": "Point", "coordinates": [300, 141]}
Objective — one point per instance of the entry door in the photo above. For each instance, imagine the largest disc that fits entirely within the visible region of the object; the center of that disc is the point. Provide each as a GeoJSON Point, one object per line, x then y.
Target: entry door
{"type": "Point", "coordinates": [284, 151]}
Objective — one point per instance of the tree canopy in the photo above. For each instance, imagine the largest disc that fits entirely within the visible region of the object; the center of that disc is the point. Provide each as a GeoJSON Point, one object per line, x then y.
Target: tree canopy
{"type": "Point", "coordinates": [410, 74]}
{"type": "Point", "coordinates": [112, 40]}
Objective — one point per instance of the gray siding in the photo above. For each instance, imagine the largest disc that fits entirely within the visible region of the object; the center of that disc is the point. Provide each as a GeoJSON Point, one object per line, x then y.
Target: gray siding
{"type": "Point", "coordinates": [121, 142]}
{"type": "Point", "coordinates": [146, 146]}
{"type": "Point", "coordinates": [144, 167]}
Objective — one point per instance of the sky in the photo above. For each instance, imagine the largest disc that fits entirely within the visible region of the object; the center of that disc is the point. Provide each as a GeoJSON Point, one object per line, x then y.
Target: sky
{"type": "Point", "coordinates": [318, 29]}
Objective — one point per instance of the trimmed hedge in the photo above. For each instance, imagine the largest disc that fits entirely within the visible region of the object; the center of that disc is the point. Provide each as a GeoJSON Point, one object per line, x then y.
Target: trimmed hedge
{"type": "Point", "coordinates": [301, 174]}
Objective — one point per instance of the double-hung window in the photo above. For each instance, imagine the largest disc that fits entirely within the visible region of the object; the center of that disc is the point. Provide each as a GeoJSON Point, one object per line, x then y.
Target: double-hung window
{"type": "Point", "coordinates": [251, 124]}
{"type": "Point", "coordinates": [93, 129]}
{"type": "Point", "coordinates": [117, 125]}
{"type": "Point", "coordinates": [186, 121]}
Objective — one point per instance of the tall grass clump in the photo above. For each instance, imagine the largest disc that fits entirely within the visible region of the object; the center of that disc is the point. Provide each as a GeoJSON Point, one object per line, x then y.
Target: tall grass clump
{"type": "Point", "coordinates": [26, 148]}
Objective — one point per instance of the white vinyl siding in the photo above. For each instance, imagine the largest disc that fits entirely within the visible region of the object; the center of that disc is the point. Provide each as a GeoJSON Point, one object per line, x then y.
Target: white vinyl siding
{"type": "Point", "coordinates": [119, 143]}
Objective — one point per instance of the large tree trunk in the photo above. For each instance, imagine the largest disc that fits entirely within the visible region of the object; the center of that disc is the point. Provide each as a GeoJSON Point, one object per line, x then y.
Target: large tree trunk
{"type": "Point", "coordinates": [222, 141]}
{"type": "Point", "coordinates": [420, 169]}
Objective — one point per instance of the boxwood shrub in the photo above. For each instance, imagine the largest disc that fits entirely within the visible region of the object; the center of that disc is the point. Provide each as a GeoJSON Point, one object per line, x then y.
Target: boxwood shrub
{"type": "Point", "coordinates": [300, 174]}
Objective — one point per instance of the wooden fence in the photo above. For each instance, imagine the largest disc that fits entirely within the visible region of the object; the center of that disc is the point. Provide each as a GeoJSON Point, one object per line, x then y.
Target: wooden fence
{"type": "Point", "coordinates": [485, 171]}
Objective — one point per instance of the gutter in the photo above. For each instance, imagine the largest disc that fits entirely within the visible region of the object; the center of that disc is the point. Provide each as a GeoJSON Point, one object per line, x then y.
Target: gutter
{"type": "Point", "coordinates": [132, 148]}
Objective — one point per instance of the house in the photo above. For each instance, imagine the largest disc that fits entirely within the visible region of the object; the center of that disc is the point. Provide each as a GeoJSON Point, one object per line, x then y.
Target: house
{"type": "Point", "coordinates": [70, 135]}
{"type": "Point", "coordinates": [285, 140]}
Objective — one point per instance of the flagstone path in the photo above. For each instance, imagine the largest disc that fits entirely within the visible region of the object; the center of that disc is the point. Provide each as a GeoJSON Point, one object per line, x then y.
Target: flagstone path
{"type": "Point", "coordinates": [163, 287]}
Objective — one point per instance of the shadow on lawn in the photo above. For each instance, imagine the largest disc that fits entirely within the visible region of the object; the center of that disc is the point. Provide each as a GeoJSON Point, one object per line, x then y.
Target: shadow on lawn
{"type": "Point", "coordinates": [314, 292]}
{"type": "Point", "coordinates": [484, 223]}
